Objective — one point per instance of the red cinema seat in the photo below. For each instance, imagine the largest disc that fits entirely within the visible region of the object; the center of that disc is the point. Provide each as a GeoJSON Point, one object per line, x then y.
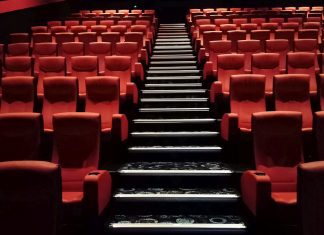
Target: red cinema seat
{"type": "Point", "coordinates": [30, 190]}
{"type": "Point", "coordinates": [321, 91]}
{"type": "Point", "coordinates": [288, 34]}
{"type": "Point", "coordinates": [86, 190]}
{"type": "Point", "coordinates": [78, 29]}
{"type": "Point", "coordinates": [280, 46]}
{"type": "Point", "coordinates": [269, 192]}
{"type": "Point", "coordinates": [121, 66]}
{"type": "Point", "coordinates": [247, 96]}
{"type": "Point", "coordinates": [103, 98]}
{"type": "Point", "coordinates": [208, 37]}
{"type": "Point", "coordinates": [18, 66]}
{"type": "Point", "coordinates": [303, 63]}
{"type": "Point", "coordinates": [248, 47]}
{"type": "Point", "coordinates": [201, 29]}
{"type": "Point", "coordinates": [310, 191]}
{"type": "Point", "coordinates": [17, 94]}
{"type": "Point", "coordinates": [122, 29]}
{"type": "Point", "coordinates": [239, 21]}
{"type": "Point", "coordinates": [113, 38]}
{"type": "Point", "coordinates": [71, 49]}
{"type": "Point", "coordinates": [70, 23]}
{"type": "Point", "coordinates": [297, 19]}
{"type": "Point", "coordinates": [144, 46]}
{"type": "Point", "coordinates": [127, 23]}
{"type": "Point", "coordinates": [227, 27]}
{"type": "Point", "coordinates": [89, 23]}
{"type": "Point", "coordinates": [20, 136]}
{"type": "Point", "coordinates": [248, 27]}
{"type": "Point", "coordinates": [86, 38]}
{"type": "Point", "coordinates": [19, 38]}
{"type": "Point", "coordinates": [58, 29]}
{"type": "Point", "coordinates": [1, 54]}
{"type": "Point", "coordinates": [132, 49]}
{"type": "Point", "coordinates": [101, 50]}
{"type": "Point", "coordinates": [268, 65]}
{"type": "Point", "coordinates": [218, 22]}
{"type": "Point", "coordinates": [49, 67]}
{"type": "Point", "coordinates": [263, 35]}
{"type": "Point", "coordinates": [308, 33]}
{"type": "Point", "coordinates": [269, 26]}
{"type": "Point", "coordinates": [308, 45]}
{"type": "Point", "coordinates": [44, 49]}
{"type": "Point", "coordinates": [148, 35]}
{"type": "Point", "coordinates": [107, 23]}
{"type": "Point", "coordinates": [60, 96]}
{"type": "Point", "coordinates": [18, 49]}
{"type": "Point", "coordinates": [258, 21]}
{"type": "Point", "coordinates": [99, 29]}
{"type": "Point", "coordinates": [39, 29]}
{"type": "Point", "coordinates": [82, 67]}
{"type": "Point", "coordinates": [278, 20]}
{"type": "Point", "coordinates": [42, 37]}
{"type": "Point", "coordinates": [54, 23]}
{"type": "Point", "coordinates": [319, 134]}
{"type": "Point", "coordinates": [312, 25]}
{"type": "Point", "coordinates": [61, 38]}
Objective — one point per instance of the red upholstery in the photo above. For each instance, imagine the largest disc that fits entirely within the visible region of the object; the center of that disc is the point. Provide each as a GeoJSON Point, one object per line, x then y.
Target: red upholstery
{"type": "Point", "coordinates": [60, 95]}
{"type": "Point", "coordinates": [89, 23]}
{"type": "Point", "coordinates": [308, 34]}
{"type": "Point", "coordinates": [292, 94]}
{"type": "Point", "coordinates": [86, 38]}
{"type": "Point", "coordinates": [113, 38]}
{"type": "Point", "coordinates": [42, 37]}
{"type": "Point", "coordinates": [227, 27]}
{"type": "Point", "coordinates": [248, 47]}
{"type": "Point", "coordinates": [268, 65]}
{"type": "Point", "coordinates": [321, 91]}
{"type": "Point", "coordinates": [144, 44]}
{"type": "Point", "coordinates": [100, 49]}
{"type": "Point", "coordinates": [18, 66]}
{"type": "Point", "coordinates": [78, 29]}
{"type": "Point", "coordinates": [122, 29]}
{"type": "Point", "coordinates": [18, 49]}
{"type": "Point", "coordinates": [303, 63]}
{"type": "Point", "coordinates": [44, 49]}
{"type": "Point", "coordinates": [58, 29]}
{"type": "Point", "coordinates": [209, 36]}
{"type": "Point", "coordinates": [54, 23]}
{"type": "Point", "coordinates": [270, 26]}
{"type": "Point", "coordinates": [217, 48]}
{"type": "Point", "coordinates": [234, 36]}
{"type": "Point", "coordinates": [270, 191]}
{"type": "Point", "coordinates": [258, 21]}
{"type": "Point", "coordinates": [120, 66]}
{"type": "Point", "coordinates": [280, 46]}
{"type": "Point", "coordinates": [288, 34]}
{"type": "Point", "coordinates": [71, 49]}
{"type": "Point", "coordinates": [103, 98]}
{"type": "Point", "coordinates": [39, 29]}
{"type": "Point", "coordinates": [69, 23]}
{"type": "Point", "coordinates": [319, 133]}
{"type": "Point", "coordinates": [48, 67]}
{"type": "Point", "coordinates": [248, 27]}
{"type": "Point", "coordinates": [99, 29]}
{"type": "Point", "coordinates": [20, 136]}
{"type": "Point", "coordinates": [127, 23]}
{"type": "Point", "coordinates": [76, 148]}
{"type": "Point", "coordinates": [262, 35]}
{"type": "Point", "coordinates": [239, 21]}
{"type": "Point", "coordinates": [19, 38]}
{"type": "Point", "coordinates": [247, 96]}
{"type": "Point", "coordinates": [30, 190]}
{"type": "Point", "coordinates": [310, 197]}
{"type": "Point", "coordinates": [107, 23]}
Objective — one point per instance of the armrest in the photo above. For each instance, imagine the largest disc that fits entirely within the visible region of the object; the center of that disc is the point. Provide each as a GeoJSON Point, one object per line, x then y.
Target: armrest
{"type": "Point", "coordinates": [119, 128]}
{"type": "Point", "coordinates": [198, 44]}
{"type": "Point", "coordinates": [97, 191]}
{"type": "Point", "coordinates": [282, 71]}
{"type": "Point", "coordinates": [256, 191]}
{"type": "Point", "coordinates": [144, 56]}
{"type": "Point", "coordinates": [148, 46]}
{"type": "Point", "coordinates": [202, 55]}
{"type": "Point", "coordinates": [138, 73]}
{"type": "Point", "coordinates": [68, 74]}
{"type": "Point", "coordinates": [101, 73]}
{"type": "Point", "coordinates": [216, 88]}
{"type": "Point", "coordinates": [208, 71]}
{"type": "Point", "coordinates": [229, 126]}
{"type": "Point", "coordinates": [132, 93]}
{"type": "Point", "coordinates": [192, 28]}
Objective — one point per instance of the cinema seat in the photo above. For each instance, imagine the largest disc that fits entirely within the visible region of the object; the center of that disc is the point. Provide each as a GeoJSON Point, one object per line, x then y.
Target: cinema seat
{"type": "Point", "coordinates": [101, 50]}
{"type": "Point", "coordinates": [18, 49]}
{"type": "Point", "coordinates": [58, 29]}
{"type": "Point", "coordinates": [44, 49]}
{"type": "Point", "coordinates": [54, 23]}
{"type": "Point", "coordinates": [60, 96]}
{"type": "Point", "coordinates": [49, 67]}
{"type": "Point", "coordinates": [113, 38]}
{"type": "Point", "coordinates": [262, 35]}
{"type": "Point", "coordinates": [86, 38]}
{"type": "Point", "coordinates": [18, 66]}
{"type": "Point", "coordinates": [148, 35]}
{"type": "Point", "coordinates": [144, 45]}
{"type": "Point", "coordinates": [248, 27]}
{"type": "Point", "coordinates": [121, 66]}
{"type": "Point", "coordinates": [41, 37]}
{"type": "Point", "coordinates": [19, 38]}
{"type": "Point", "coordinates": [99, 29]}
{"type": "Point", "coordinates": [269, 191]}
{"type": "Point", "coordinates": [86, 190]}
{"type": "Point", "coordinates": [321, 91]}
{"type": "Point", "coordinates": [17, 94]}
{"type": "Point", "coordinates": [30, 190]}
{"type": "Point", "coordinates": [89, 23]}
{"type": "Point", "coordinates": [61, 38]}
{"type": "Point", "coordinates": [70, 23]}
{"type": "Point", "coordinates": [247, 96]}
{"type": "Point", "coordinates": [308, 45]}
{"type": "Point", "coordinates": [78, 29]}
{"type": "Point", "coordinates": [319, 133]}
{"type": "Point", "coordinates": [288, 34]}
{"type": "Point", "coordinates": [107, 23]}
{"type": "Point", "coordinates": [122, 29]}
{"type": "Point", "coordinates": [82, 67]}
{"type": "Point", "coordinates": [199, 40]}
{"type": "Point", "coordinates": [280, 46]}
{"type": "Point", "coordinates": [103, 97]}
{"type": "Point", "coordinates": [248, 47]}
{"type": "Point", "coordinates": [71, 49]}
{"type": "Point", "coordinates": [39, 29]}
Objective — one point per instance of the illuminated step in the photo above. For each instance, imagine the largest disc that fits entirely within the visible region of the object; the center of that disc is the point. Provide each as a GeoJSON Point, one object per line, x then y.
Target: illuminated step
{"type": "Point", "coordinates": [174, 134]}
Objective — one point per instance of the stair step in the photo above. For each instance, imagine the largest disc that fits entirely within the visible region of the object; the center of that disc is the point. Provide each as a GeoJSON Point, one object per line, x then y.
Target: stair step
{"type": "Point", "coordinates": [173, 40]}
{"type": "Point", "coordinates": [170, 37]}
{"type": "Point", "coordinates": [173, 57]}
{"type": "Point", "coordinates": [174, 85]}
{"type": "Point", "coordinates": [197, 91]}
{"type": "Point", "coordinates": [174, 52]}
{"type": "Point", "coordinates": [175, 134]}
{"type": "Point", "coordinates": [172, 47]}
{"type": "Point", "coordinates": [174, 78]}
{"type": "Point", "coordinates": [172, 110]}
{"type": "Point", "coordinates": [188, 62]}
{"type": "Point", "coordinates": [182, 67]}
{"type": "Point", "coordinates": [172, 100]}
{"type": "Point", "coordinates": [174, 149]}
{"type": "Point", "coordinates": [173, 25]}
{"type": "Point", "coordinates": [171, 43]}
{"type": "Point", "coordinates": [173, 72]}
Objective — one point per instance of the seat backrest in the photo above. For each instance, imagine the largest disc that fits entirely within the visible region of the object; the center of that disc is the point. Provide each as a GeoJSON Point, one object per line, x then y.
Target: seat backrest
{"type": "Point", "coordinates": [71, 49]}
{"type": "Point", "coordinates": [321, 91]}
{"type": "Point", "coordinates": [19, 38]}
{"type": "Point", "coordinates": [291, 93]}
{"type": "Point", "coordinates": [219, 22]}
{"type": "Point", "coordinates": [135, 37]}
{"type": "Point", "coordinates": [217, 48]}
{"type": "Point", "coordinates": [270, 26]}
{"type": "Point", "coordinates": [18, 49]}
{"type": "Point", "coordinates": [248, 27]}
{"type": "Point", "coordinates": [306, 45]}
{"type": "Point", "coordinates": [101, 50]}
{"type": "Point", "coordinates": [247, 96]}
{"type": "Point", "coordinates": [113, 38]}
{"type": "Point", "coordinates": [205, 27]}
{"type": "Point", "coordinates": [86, 38]}
{"type": "Point", "coordinates": [41, 37]}
{"type": "Point", "coordinates": [303, 63]}
{"type": "Point", "coordinates": [103, 98]}
{"type": "Point", "coordinates": [122, 29]}
{"type": "Point", "coordinates": [258, 20]}
{"type": "Point", "coordinates": [312, 25]}
{"type": "Point", "coordinates": [262, 35]}
{"type": "Point", "coordinates": [48, 67]}
{"type": "Point", "coordinates": [20, 136]}
{"type": "Point", "coordinates": [82, 67]}
{"type": "Point", "coordinates": [280, 46]}
{"type": "Point", "coordinates": [39, 29]}
{"type": "Point", "coordinates": [239, 21]}
{"type": "Point", "coordinates": [288, 34]}
{"type": "Point", "coordinates": [60, 95]}
{"type": "Point", "coordinates": [290, 25]}
{"type": "Point", "coordinates": [76, 140]}
{"type": "Point", "coordinates": [119, 66]}
{"type": "Point", "coordinates": [30, 190]}
{"type": "Point", "coordinates": [43, 49]}
{"type": "Point", "coordinates": [18, 94]}
{"type": "Point", "coordinates": [75, 29]}
{"type": "Point", "coordinates": [128, 49]}
{"type": "Point", "coordinates": [227, 65]}
{"type": "Point", "coordinates": [310, 192]}
{"type": "Point", "coordinates": [248, 47]}
{"type": "Point", "coordinates": [277, 143]}
{"type": "Point", "coordinates": [308, 33]}
{"type": "Point", "coordinates": [54, 23]}
{"type": "Point", "coordinates": [209, 36]}
{"type": "Point", "coordinates": [18, 66]}
{"type": "Point", "coordinates": [89, 23]}
{"type": "Point", "coordinates": [234, 36]}
{"type": "Point", "coordinates": [99, 29]}
{"type": "Point", "coordinates": [227, 27]}
{"type": "Point", "coordinates": [268, 65]}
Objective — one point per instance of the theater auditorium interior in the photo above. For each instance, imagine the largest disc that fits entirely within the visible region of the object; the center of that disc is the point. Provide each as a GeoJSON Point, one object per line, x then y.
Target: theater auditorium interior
{"type": "Point", "coordinates": [161, 117]}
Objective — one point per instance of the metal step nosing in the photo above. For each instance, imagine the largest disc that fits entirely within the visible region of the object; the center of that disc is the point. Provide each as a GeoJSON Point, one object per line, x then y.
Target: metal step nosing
{"type": "Point", "coordinates": [180, 196]}
{"type": "Point", "coordinates": [177, 172]}
{"type": "Point", "coordinates": [176, 134]}
{"type": "Point", "coordinates": [239, 226]}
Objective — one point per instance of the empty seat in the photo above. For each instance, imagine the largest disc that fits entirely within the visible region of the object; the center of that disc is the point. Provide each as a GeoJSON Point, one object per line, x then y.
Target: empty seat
{"type": "Point", "coordinates": [78, 29]}
{"type": "Point", "coordinates": [107, 23]}
{"type": "Point", "coordinates": [103, 98]}
{"type": "Point", "coordinates": [54, 23]}
{"type": "Point", "coordinates": [70, 23]}
{"type": "Point", "coordinates": [303, 63]}
{"type": "Point", "coordinates": [101, 50]}
{"type": "Point", "coordinates": [291, 93]}
{"type": "Point", "coordinates": [89, 23]}
{"type": "Point", "coordinates": [48, 67]}
{"type": "Point", "coordinates": [127, 23]}
{"type": "Point", "coordinates": [99, 29]}
{"type": "Point", "coordinates": [121, 66]}
{"type": "Point", "coordinates": [247, 96]}
{"type": "Point", "coordinates": [113, 38]}
{"type": "Point", "coordinates": [18, 66]}
{"type": "Point", "coordinates": [58, 29]}
{"type": "Point", "coordinates": [280, 46]}
{"type": "Point", "coordinates": [19, 38]}
{"type": "Point", "coordinates": [268, 65]}
{"type": "Point", "coordinates": [18, 94]}
{"type": "Point", "coordinates": [239, 21]}
{"type": "Point", "coordinates": [86, 38]}
{"type": "Point", "coordinates": [60, 96]}
{"type": "Point", "coordinates": [312, 25]}
{"type": "Point", "coordinates": [248, 47]}
{"type": "Point", "coordinates": [291, 25]}
{"type": "Point", "coordinates": [258, 21]}
{"type": "Point", "coordinates": [269, 192]}
{"type": "Point", "coordinates": [262, 35]}
{"type": "Point", "coordinates": [42, 37]}
{"type": "Point", "coordinates": [82, 67]}
{"type": "Point", "coordinates": [308, 33]}
{"type": "Point", "coordinates": [321, 91]}
{"type": "Point", "coordinates": [39, 29]}
{"type": "Point", "coordinates": [43, 50]}
{"type": "Point", "coordinates": [234, 36]}
{"type": "Point", "coordinates": [308, 45]}
{"type": "Point", "coordinates": [248, 27]}
{"type": "Point", "coordinates": [288, 34]}
{"type": "Point", "coordinates": [122, 29]}
{"type": "Point", "coordinates": [227, 27]}
{"type": "Point", "coordinates": [30, 190]}
{"type": "Point", "coordinates": [61, 38]}
{"type": "Point", "coordinates": [270, 26]}
{"type": "Point", "coordinates": [18, 49]}
{"type": "Point", "coordinates": [86, 190]}
{"type": "Point", "coordinates": [71, 49]}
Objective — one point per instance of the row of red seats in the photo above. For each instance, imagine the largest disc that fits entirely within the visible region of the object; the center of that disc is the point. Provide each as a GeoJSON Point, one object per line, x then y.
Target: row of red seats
{"type": "Point", "coordinates": [75, 191]}
{"type": "Point", "coordinates": [123, 11]}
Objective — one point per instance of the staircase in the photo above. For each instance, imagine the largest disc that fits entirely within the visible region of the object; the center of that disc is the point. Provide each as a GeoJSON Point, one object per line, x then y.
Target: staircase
{"type": "Point", "coordinates": [176, 180]}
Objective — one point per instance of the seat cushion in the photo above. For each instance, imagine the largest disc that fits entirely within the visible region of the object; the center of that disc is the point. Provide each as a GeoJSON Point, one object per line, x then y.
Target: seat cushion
{"type": "Point", "coordinates": [285, 198]}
